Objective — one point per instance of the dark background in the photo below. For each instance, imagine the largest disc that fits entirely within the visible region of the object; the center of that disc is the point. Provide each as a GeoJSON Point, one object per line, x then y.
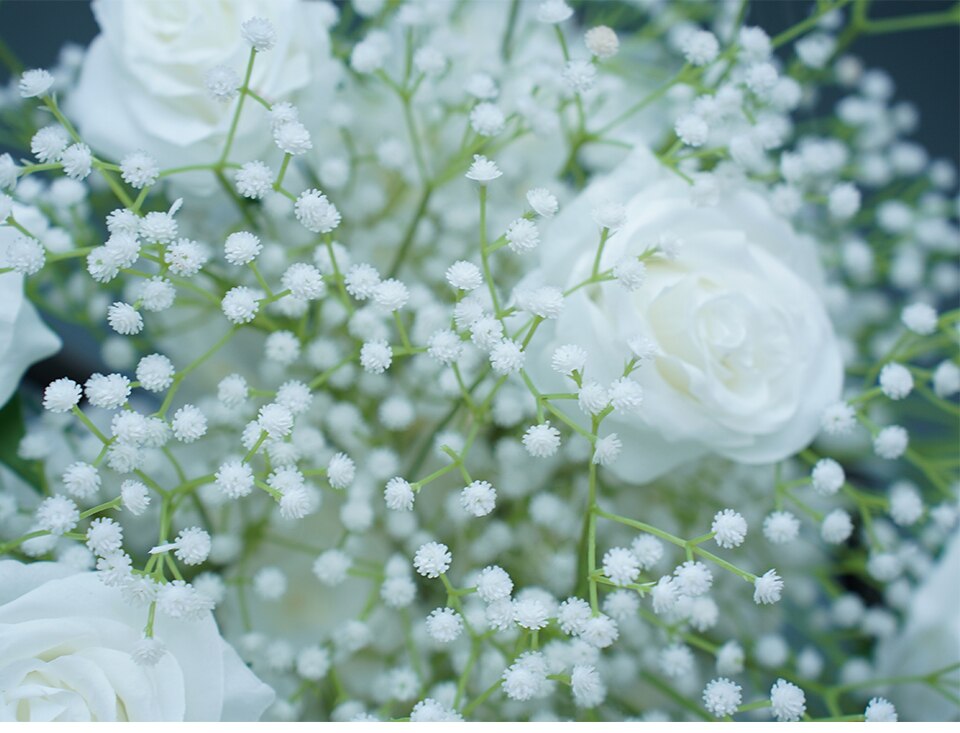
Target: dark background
{"type": "Point", "coordinates": [925, 64]}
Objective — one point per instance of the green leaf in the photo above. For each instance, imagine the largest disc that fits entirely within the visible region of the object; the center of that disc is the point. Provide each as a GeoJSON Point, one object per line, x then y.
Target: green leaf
{"type": "Point", "coordinates": [11, 433]}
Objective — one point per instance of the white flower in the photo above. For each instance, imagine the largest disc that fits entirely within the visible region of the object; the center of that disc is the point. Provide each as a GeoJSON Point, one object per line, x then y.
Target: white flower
{"type": "Point", "coordinates": [315, 212]}
{"type": "Point", "coordinates": [35, 83]}
{"type": "Point", "coordinates": [137, 91]}
{"type": "Point", "coordinates": [432, 559]}
{"type": "Point", "coordinates": [828, 476]}
{"type": "Point", "coordinates": [259, 33]}
{"type": "Point", "coordinates": [729, 528]}
{"type": "Point", "coordinates": [444, 625]}
{"type": "Point", "coordinates": [787, 700]}
{"type": "Point", "coordinates": [139, 169]}
{"type": "Point", "coordinates": [927, 641]}
{"type": "Point", "coordinates": [479, 498]}
{"type": "Point", "coordinates": [61, 395]}
{"type": "Point", "coordinates": [700, 48]}
{"type": "Point", "coordinates": [54, 648]}
{"type": "Point", "coordinates": [553, 11]}
{"type": "Point", "coordinates": [767, 588]}
{"type": "Point", "coordinates": [541, 441]}
{"type": "Point", "coordinates": [494, 584]}
{"type": "Point", "coordinates": [587, 686]}
{"type": "Point", "coordinates": [743, 284]}
{"type": "Point", "coordinates": [602, 41]}
{"type": "Point", "coordinates": [880, 710]}
{"type": "Point", "coordinates": [896, 381]}
{"type": "Point", "coordinates": [722, 697]}
{"type": "Point", "coordinates": [398, 494]}
{"type": "Point", "coordinates": [920, 318]}
{"type": "Point", "coordinates": [483, 170]}
{"type": "Point", "coordinates": [543, 202]}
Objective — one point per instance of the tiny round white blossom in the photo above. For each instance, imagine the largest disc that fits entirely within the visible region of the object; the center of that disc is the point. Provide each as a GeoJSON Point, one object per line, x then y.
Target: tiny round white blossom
{"type": "Point", "coordinates": [222, 83]}
{"type": "Point", "coordinates": [767, 588]}
{"type": "Point", "coordinates": [828, 476]}
{"type": "Point", "coordinates": [729, 528]}
{"type": "Point", "coordinates": [479, 498]}
{"type": "Point", "coordinates": [61, 395]}
{"type": "Point", "coordinates": [189, 424]}
{"type": "Point", "coordinates": [483, 170]}
{"type": "Point", "coordinates": [464, 275]}
{"type": "Point", "coordinates": [906, 505]}
{"type": "Point", "coordinates": [607, 449]}
{"type": "Point", "coordinates": [781, 527]}
{"type": "Point", "coordinates": [275, 419]}
{"type": "Point", "coordinates": [399, 494]}
{"type": "Point", "coordinates": [701, 48]}
{"type": "Point", "coordinates": [838, 419]}
{"type": "Point", "coordinates": [192, 545]}
{"type": "Point", "coordinates": [240, 304]}
{"type": "Point", "coordinates": [341, 471]}
{"type": "Point", "coordinates": [494, 584]}
{"type": "Point", "coordinates": [880, 710]}
{"type": "Point", "coordinates": [553, 11]}
{"type": "Point", "coordinates": [24, 254]}
{"type": "Point", "coordinates": [139, 169]}
{"type": "Point", "coordinates": [81, 480]}
{"type": "Point", "coordinates": [693, 578]}
{"type": "Point", "coordinates": [610, 215]}
{"type": "Point", "coordinates": [722, 697]}
{"type": "Point", "coordinates": [332, 566]}
{"type": "Point", "coordinates": [259, 33]}
{"type": "Point", "coordinates": [391, 295]}
{"type": "Point", "coordinates": [254, 180]}
{"type": "Point", "coordinates": [920, 318]}
{"type": "Point", "coordinates": [109, 392]}
{"type": "Point", "coordinates": [891, 442]}
{"type": "Point", "coordinates": [587, 686]}
{"type": "Point", "coordinates": [57, 515]}
{"type": "Point", "coordinates": [444, 625]}
{"type": "Point", "coordinates": [896, 381]}
{"type": "Point", "coordinates": [946, 379]}
{"type": "Point", "coordinates": [376, 356]}
{"type": "Point", "coordinates": [843, 201]}
{"type": "Point", "coordinates": [35, 83]}
{"type": "Point", "coordinates": [235, 478]}
{"type": "Point", "coordinates": [692, 129]}
{"type": "Point", "coordinates": [134, 496]}
{"type": "Point", "coordinates": [602, 42]}
{"type": "Point", "coordinates": [506, 357]}
{"type": "Point", "coordinates": [292, 137]}
{"type": "Point", "coordinates": [487, 119]}
{"type": "Point", "coordinates": [270, 583]}
{"type": "Point", "coordinates": [568, 359]}
{"type": "Point", "coordinates": [836, 527]}
{"type": "Point", "coordinates": [621, 566]}
{"type": "Point", "coordinates": [432, 559]}
{"type": "Point", "coordinates": [242, 248]}
{"type": "Point", "coordinates": [542, 202]}
{"type": "Point", "coordinates": [787, 700]}
{"type": "Point", "coordinates": [541, 441]}
{"type": "Point", "coordinates": [315, 212]}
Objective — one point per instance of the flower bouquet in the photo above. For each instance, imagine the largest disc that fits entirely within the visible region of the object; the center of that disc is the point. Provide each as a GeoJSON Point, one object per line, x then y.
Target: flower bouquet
{"type": "Point", "coordinates": [487, 360]}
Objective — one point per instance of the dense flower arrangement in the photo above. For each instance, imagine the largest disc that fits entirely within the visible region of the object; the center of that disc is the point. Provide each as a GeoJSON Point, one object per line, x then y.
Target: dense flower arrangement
{"type": "Point", "coordinates": [478, 360]}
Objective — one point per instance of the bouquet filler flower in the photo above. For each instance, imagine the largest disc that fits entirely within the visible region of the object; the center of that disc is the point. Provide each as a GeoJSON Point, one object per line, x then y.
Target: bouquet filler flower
{"type": "Point", "coordinates": [486, 360]}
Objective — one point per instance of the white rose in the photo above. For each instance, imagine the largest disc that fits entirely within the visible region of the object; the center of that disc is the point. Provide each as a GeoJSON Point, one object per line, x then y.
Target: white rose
{"type": "Point", "coordinates": [142, 83]}
{"type": "Point", "coordinates": [929, 641]}
{"type": "Point", "coordinates": [24, 339]}
{"type": "Point", "coordinates": [65, 643]}
{"type": "Point", "coordinates": [746, 356]}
